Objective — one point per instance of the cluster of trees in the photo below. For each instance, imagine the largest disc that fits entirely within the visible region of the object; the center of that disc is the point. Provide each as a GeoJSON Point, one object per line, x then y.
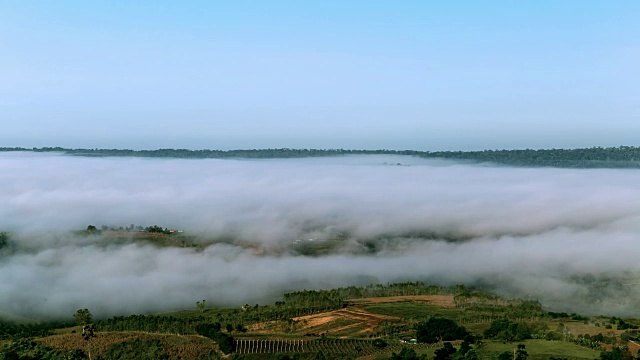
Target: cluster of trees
{"type": "Point", "coordinates": [617, 353]}
{"type": "Point", "coordinates": [151, 323]}
{"type": "Point", "coordinates": [561, 315]}
{"type": "Point", "coordinates": [313, 301]}
{"type": "Point", "coordinates": [519, 354]}
{"type": "Point", "coordinates": [13, 331]}
{"type": "Point", "coordinates": [339, 295]}
{"type": "Point", "coordinates": [92, 229]}
{"type": "Point", "coordinates": [483, 306]}
{"type": "Point", "coordinates": [622, 325]}
{"type": "Point", "coordinates": [439, 329]}
{"type": "Point", "coordinates": [446, 352]}
{"type": "Point", "coordinates": [610, 157]}
{"type": "Point", "coordinates": [407, 354]}
{"type": "Point", "coordinates": [507, 331]}
{"type": "Point", "coordinates": [596, 157]}
{"type": "Point", "coordinates": [214, 332]}
{"type": "Point", "coordinates": [156, 229]}
{"type": "Point", "coordinates": [28, 349]}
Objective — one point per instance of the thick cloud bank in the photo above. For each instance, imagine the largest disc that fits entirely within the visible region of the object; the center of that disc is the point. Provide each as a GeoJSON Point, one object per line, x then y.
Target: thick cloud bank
{"type": "Point", "coordinates": [567, 237]}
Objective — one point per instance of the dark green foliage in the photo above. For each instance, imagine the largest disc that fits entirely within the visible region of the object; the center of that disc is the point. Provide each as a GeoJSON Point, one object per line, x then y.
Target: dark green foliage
{"type": "Point", "coordinates": [559, 315]}
{"type": "Point", "coordinates": [445, 352]}
{"type": "Point", "coordinates": [27, 349]}
{"type": "Point", "coordinates": [507, 355]}
{"type": "Point", "coordinates": [83, 316]}
{"type": "Point", "coordinates": [9, 330]}
{"type": "Point", "coordinates": [521, 353]}
{"type": "Point", "coordinates": [506, 330]}
{"type": "Point", "coordinates": [136, 349]}
{"type": "Point", "coordinates": [622, 325]}
{"type": "Point", "coordinates": [465, 347]}
{"type": "Point", "coordinates": [207, 329]}
{"type": "Point", "coordinates": [439, 329]}
{"type": "Point", "coordinates": [470, 339]}
{"type": "Point", "coordinates": [616, 354]}
{"type": "Point", "coordinates": [379, 343]}
{"type": "Point", "coordinates": [556, 315]}
{"type": "Point", "coordinates": [471, 355]}
{"type": "Point", "coordinates": [150, 323]}
{"type": "Point", "coordinates": [214, 332]}
{"type": "Point", "coordinates": [76, 355]}
{"type": "Point", "coordinates": [157, 229]}
{"type": "Point", "coordinates": [405, 354]}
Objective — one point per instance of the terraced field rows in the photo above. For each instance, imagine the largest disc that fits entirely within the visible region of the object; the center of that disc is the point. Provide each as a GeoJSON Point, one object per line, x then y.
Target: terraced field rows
{"type": "Point", "coordinates": [327, 346]}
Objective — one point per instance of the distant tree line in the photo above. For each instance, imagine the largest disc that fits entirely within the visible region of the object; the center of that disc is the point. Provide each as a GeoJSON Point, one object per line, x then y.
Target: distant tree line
{"type": "Point", "coordinates": [292, 304]}
{"type": "Point", "coordinates": [595, 157]}
{"type": "Point", "coordinates": [151, 323]}
{"type": "Point", "coordinates": [13, 331]}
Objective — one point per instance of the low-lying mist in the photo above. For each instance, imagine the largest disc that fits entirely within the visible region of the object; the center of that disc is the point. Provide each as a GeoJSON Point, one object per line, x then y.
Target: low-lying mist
{"type": "Point", "coordinates": [566, 237]}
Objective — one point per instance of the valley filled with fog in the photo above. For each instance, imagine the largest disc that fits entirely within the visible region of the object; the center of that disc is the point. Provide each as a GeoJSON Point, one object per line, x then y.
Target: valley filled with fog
{"type": "Point", "coordinates": [566, 237]}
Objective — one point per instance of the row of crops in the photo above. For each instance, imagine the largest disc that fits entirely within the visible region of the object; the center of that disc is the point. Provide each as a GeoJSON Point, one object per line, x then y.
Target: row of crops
{"type": "Point", "coordinates": [359, 347]}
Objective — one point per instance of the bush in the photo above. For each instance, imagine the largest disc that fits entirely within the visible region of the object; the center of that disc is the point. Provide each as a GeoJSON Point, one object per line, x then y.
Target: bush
{"type": "Point", "coordinates": [379, 343]}
{"type": "Point", "coordinates": [506, 330]}
{"type": "Point", "coordinates": [214, 332]}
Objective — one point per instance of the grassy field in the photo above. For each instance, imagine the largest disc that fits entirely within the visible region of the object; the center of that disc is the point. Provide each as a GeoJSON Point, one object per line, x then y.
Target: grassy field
{"type": "Point", "coordinates": [540, 349]}
{"type": "Point", "coordinates": [537, 350]}
{"type": "Point", "coordinates": [412, 310]}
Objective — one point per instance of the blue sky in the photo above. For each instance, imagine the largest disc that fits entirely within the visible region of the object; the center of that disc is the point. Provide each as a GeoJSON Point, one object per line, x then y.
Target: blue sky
{"type": "Point", "coordinates": [421, 75]}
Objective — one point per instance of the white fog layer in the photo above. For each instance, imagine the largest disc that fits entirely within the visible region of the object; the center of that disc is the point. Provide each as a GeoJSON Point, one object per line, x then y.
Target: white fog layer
{"type": "Point", "coordinates": [569, 238]}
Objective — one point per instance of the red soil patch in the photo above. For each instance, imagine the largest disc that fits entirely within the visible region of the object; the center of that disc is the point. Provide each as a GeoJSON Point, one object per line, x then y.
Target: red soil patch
{"type": "Point", "coordinates": [363, 320]}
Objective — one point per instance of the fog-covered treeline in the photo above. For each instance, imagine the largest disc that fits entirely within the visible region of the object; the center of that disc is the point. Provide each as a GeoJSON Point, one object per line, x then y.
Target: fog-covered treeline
{"type": "Point", "coordinates": [595, 157]}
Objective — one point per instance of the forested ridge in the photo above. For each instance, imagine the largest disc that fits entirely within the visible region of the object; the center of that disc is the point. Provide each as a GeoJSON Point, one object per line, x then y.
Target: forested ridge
{"type": "Point", "coordinates": [401, 324]}
{"type": "Point", "coordinates": [595, 157]}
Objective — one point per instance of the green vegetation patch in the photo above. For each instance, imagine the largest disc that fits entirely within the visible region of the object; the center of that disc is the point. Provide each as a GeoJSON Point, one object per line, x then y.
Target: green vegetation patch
{"type": "Point", "coordinates": [413, 310]}
{"type": "Point", "coordinates": [540, 349]}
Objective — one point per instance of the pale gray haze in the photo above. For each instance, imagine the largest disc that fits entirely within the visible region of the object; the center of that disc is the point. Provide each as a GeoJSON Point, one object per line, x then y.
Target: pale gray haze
{"type": "Point", "coordinates": [566, 237]}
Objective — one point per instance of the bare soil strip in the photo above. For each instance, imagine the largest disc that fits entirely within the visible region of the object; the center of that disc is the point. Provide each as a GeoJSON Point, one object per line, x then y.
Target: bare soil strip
{"type": "Point", "coordinates": [364, 321]}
